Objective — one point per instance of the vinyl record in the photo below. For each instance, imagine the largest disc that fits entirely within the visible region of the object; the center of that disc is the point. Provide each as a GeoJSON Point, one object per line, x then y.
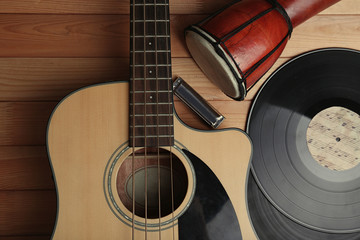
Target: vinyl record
{"type": "Point", "coordinates": [271, 224]}
{"type": "Point", "coordinates": [286, 171]}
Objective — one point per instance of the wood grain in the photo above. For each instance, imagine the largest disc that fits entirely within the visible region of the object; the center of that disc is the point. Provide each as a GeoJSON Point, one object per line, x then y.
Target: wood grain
{"type": "Point", "coordinates": [26, 237]}
{"type": "Point", "coordinates": [107, 35]}
{"type": "Point", "coordinates": [322, 32]}
{"type": "Point", "coordinates": [122, 7]}
{"type": "Point", "coordinates": [51, 79]}
{"type": "Point", "coordinates": [25, 168]}
{"type": "Point", "coordinates": [23, 123]}
{"type": "Point", "coordinates": [27, 212]}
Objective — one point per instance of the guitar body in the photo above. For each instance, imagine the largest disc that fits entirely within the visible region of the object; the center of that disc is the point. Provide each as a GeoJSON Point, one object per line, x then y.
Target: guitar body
{"type": "Point", "coordinates": [87, 140]}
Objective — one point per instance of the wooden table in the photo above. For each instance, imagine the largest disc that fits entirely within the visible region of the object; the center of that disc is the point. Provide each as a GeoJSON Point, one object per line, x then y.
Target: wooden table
{"type": "Point", "coordinates": [49, 48]}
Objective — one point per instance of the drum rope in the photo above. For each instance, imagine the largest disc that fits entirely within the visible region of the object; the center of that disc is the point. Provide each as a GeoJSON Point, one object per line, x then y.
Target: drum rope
{"type": "Point", "coordinates": [261, 61]}
{"type": "Point", "coordinates": [245, 24]}
{"type": "Point", "coordinates": [218, 12]}
{"type": "Point", "coordinates": [283, 12]}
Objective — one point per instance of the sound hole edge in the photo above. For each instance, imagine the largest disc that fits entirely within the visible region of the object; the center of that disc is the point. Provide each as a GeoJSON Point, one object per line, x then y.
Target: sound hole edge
{"type": "Point", "coordinates": [122, 212]}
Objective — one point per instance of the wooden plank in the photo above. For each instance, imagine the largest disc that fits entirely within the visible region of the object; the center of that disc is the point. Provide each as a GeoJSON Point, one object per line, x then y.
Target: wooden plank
{"type": "Point", "coordinates": [25, 168]}
{"type": "Point", "coordinates": [325, 31]}
{"type": "Point", "coordinates": [108, 35]}
{"type": "Point", "coordinates": [64, 35]}
{"type": "Point", "coordinates": [27, 212]}
{"type": "Point", "coordinates": [24, 123]}
{"type": "Point", "coordinates": [51, 79]}
{"type": "Point", "coordinates": [344, 7]}
{"type": "Point", "coordinates": [122, 7]}
{"type": "Point", "coordinates": [37, 237]}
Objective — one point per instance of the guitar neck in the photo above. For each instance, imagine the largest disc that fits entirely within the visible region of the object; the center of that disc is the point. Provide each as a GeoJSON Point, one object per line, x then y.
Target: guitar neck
{"type": "Point", "coordinates": [151, 110]}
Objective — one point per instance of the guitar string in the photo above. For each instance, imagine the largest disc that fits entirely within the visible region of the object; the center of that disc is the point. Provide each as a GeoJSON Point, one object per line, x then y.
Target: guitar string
{"type": "Point", "coordinates": [169, 82]}
{"type": "Point", "coordinates": [145, 122]}
{"type": "Point", "coordinates": [157, 117]}
{"type": "Point", "coordinates": [133, 121]}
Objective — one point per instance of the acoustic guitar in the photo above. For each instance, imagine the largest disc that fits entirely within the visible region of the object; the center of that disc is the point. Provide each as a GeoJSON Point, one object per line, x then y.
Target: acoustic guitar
{"type": "Point", "coordinates": [126, 168]}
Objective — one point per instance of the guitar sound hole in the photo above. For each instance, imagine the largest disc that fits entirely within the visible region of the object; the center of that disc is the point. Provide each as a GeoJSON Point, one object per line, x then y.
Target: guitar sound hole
{"type": "Point", "coordinates": [160, 174]}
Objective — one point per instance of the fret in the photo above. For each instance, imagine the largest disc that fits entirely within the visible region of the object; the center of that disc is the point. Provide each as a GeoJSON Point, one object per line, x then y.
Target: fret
{"type": "Point", "coordinates": [163, 120]}
{"type": "Point", "coordinates": [145, 104]}
{"type": "Point", "coordinates": [141, 3]}
{"type": "Point", "coordinates": [149, 13]}
{"type": "Point", "coordinates": [151, 65]}
{"type": "Point", "coordinates": [148, 79]}
{"type": "Point", "coordinates": [151, 99]}
{"type": "Point", "coordinates": [154, 115]}
{"type": "Point", "coordinates": [154, 130]}
{"type": "Point", "coordinates": [152, 43]}
{"type": "Point", "coordinates": [151, 109]}
{"type": "Point", "coordinates": [152, 136]}
{"type": "Point", "coordinates": [147, 36]}
{"type": "Point", "coordinates": [151, 51]}
{"type": "Point", "coordinates": [151, 2]}
{"type": "Point", "coordinates": [160, 91]}
{"type": "Point", "coordinates": [152, 85]}
{"type": "Point", "coordinates": [151, 72]}
{"type": "Point", "coordinates": [152, 142]}
{"type": "Point", "coordinates": [152, 21]}
{"type": "Point", "coordinates": [149, 28]}
{"type": "Point", "coordinates": [153, 58]}
{"type": "Point", "coordinates": [153, 126]}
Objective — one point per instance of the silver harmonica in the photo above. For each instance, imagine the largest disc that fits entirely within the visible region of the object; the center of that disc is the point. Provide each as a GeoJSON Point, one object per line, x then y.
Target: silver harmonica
{"type": "Point", "coordinates": [197, 103]}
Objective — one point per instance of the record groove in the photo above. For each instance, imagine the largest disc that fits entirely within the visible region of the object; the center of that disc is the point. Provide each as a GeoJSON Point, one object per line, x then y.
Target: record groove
{"type": "Point", "coordinates": [270, 224]}
{"type": "Point", "coordinates": [286, 172]}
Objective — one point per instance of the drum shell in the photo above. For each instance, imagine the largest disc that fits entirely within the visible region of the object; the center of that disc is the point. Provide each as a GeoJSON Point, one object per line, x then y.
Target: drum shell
{"type": "Point", "coordinates": [252, 33]}
{"type": "Point", "coordinates": [300, 11]}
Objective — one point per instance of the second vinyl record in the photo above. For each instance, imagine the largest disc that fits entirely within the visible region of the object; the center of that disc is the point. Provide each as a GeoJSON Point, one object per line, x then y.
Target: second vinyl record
{"type": "Point", "coordinates": [271, 224]}
{"type": "Point", "coordinates": [297, 181]}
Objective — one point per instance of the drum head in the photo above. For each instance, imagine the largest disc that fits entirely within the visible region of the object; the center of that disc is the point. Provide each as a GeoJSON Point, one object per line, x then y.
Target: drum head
{"type": "Point", "coordinates": [219, 70]}
{"type": "Point", "coordinates": [304, 190]}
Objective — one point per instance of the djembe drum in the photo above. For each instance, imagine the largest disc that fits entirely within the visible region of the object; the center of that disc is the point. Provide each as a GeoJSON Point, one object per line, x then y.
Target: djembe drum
{"type": "Point", "coordinates": [237, 45]}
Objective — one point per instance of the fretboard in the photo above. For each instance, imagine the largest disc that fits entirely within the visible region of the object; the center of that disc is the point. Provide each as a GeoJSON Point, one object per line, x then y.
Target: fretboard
{"type": "Point", "coordinates": [151, 110]}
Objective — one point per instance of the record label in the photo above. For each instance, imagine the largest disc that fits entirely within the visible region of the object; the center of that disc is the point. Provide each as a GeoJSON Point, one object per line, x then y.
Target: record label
{"type": "Point", "coordinates": [333, 138]}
